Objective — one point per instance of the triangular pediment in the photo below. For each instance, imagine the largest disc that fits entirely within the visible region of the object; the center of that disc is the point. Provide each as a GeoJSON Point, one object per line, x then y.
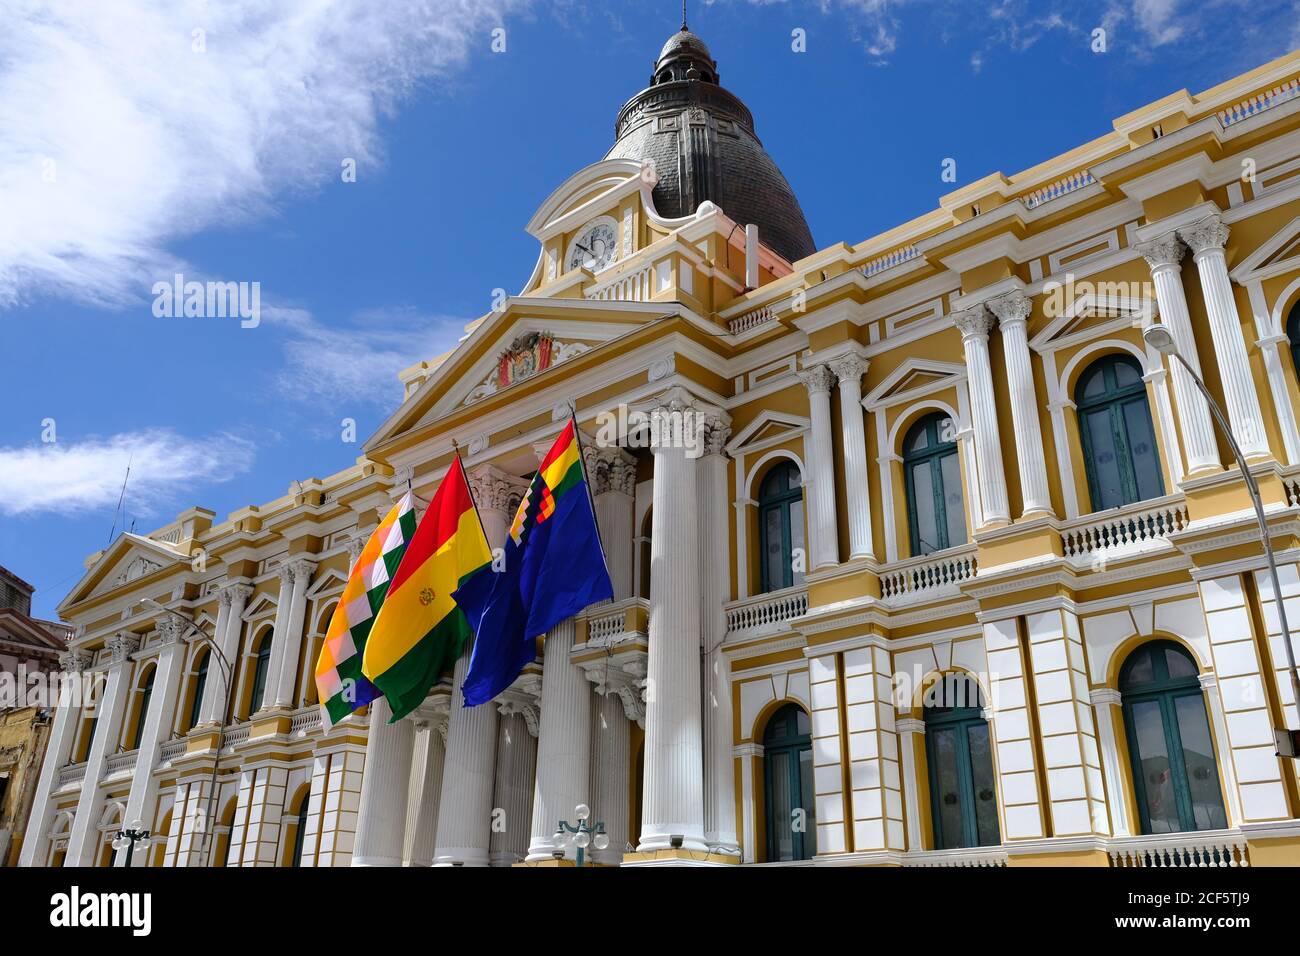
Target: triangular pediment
{"type": "Point", "coordinates": [127, 559]}
{"type": "Point", "coordinates": [1086, 311]}
{"type": "Point", "coordinates": [332, 580]}
{"type": "Point", "coordinates": [259, 606]}
{"type": "Point", "coordinates": [1279, 254]}
{"type": "Point", "coordinates": [769, 428]}
{"type": "Point", "coordinates": [914, 377]}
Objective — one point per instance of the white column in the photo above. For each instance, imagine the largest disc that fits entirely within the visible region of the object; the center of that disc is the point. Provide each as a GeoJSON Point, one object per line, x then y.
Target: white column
{"type": "Point", "coordinates": [673, 788]}
{"type": "Point", "coordinates": [290, 639]}
{"type": "Point", "coordinates": [1223, 751]}
{"type": "Point", "coordinates": [512, 803]}
{"type": "Point", "coordinates": [563, 750]}
{"type": "Point", "coordinates": [1164, 255]}
{"type": "Point", "coordinates": [1013, 312]}
{"type": "Point", "coordinates": [908, 730]}
{"type": "Point", "coordinates": [279, 634]}
{"type": "Point", "coordinates": [611, 750]}
{"type": "Point", "coordinates": [57, 751]}
{"type": "Point", "coordinates": [819, 483]}
{"type": "Point", "coordinates": [465, 807]}
{"type": "Point", "coordinates": [215, 693]}
{"type": "Point", "coordinates": [1104, 701]}
{"type": "Point", "coordinates": [84, 840]}
{"type": "Point", "coordinates": [422, 819]}
{"type": "Point", "coordinates": [143, 797]}
{"type": "Point", "coordinates": [612, 473]}
{"type": "Point", "coordinates": [381, 825]}
{"type": "Point", "coordinates": [849, 370]}
{"type": "Point", "coordinates": [1275, 346]}
{"type": "Point", "coordinates": [1206, 240]}
{"type": "Point", "coordinates": [974, 325]}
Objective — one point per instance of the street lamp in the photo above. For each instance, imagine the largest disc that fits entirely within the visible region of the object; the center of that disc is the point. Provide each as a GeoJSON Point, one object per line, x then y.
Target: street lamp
{"type": "Point", "coordinates": [1158, 336]}
{"type": "Point", "coordinates": [584, 834]}
{"type": "Point", "coordinates": [226, 674]}
{"type": "Point", "coordinates": [129, 837]}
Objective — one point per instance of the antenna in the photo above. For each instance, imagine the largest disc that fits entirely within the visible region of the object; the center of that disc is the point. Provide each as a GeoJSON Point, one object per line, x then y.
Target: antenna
{"type": "Point", "coordinates": [684, 15]}
{"type": "Point", "coordinates": [121, 499]}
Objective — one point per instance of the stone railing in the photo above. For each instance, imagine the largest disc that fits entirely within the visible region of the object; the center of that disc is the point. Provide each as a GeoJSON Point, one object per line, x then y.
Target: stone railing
{"type": "Point", "coordinates": [889, 260]}
{"type": "Point", "coordinates": [119, 763]}
{"type": "Point", "coordinates": [931, 575]}
{"type": "Point", "coordinates": [634, 286]}
{"type": "Point", "coordinates": [623, 620]}
{"type": "Point", "coordinates": [305, 722]}
{"type": "Point", "coordinates": [751, 320]}
{"type": "Point", "coordinates": [172, 749]}
{"type": "Point", "coordinates": [1133, 528]}
{"type": "Point", "coordinates": [1062, 187]}
{"type": "Point", "coordinates": [1254, 105]}
{"type": "Point", "coordinates": [235, 735]}
{"type": "Point", "coordinates": [767, 611]}
{"type": "Point", "coordinates": [1205, 848]}
{"type": "Point", "coordinates": [72, 773]}
{"type": "Point", "coordinates": [967, 856]}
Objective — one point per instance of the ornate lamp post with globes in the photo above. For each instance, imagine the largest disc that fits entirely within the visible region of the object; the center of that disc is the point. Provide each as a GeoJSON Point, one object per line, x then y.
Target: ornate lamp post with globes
{"type": "Point", "coordinates": [128, 837]}
{"type": "Point", "coordinates": [584, 834]}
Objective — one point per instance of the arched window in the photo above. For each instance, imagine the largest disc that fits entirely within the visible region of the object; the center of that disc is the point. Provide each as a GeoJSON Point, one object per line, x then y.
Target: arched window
{"type": "Point", "coordinates": [299, 832]}
{"type": "Point", "coordinates": [1172, 753]}
{"type": "Point", "coordinates": [261, 666]}
{"type": "Point", "coordinates": [1293, 333]}
{"type": "Point", "coordinates": [936, 516]}
{"type": "Point", "coordinates": [1119, 444]}
{"type": "Point", "coordinates": [788, 776]}
{"type": "Point", "coordinates": [142, 713]}
{"type": "Point", "coordinates": [780, 526]}
{"type": "Point", "coordinates": [963, 797]}
{"type": "Point", "coordinates": [200, 685]}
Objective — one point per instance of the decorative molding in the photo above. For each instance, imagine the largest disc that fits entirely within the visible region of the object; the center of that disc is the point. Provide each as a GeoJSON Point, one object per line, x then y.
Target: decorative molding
{"type": "Point", "coordinates": [1167, 250]}
{"type": "Point", "coordinates": [121, 646]}
{"type": "Point", "coordinates": [849, 368]}
{"type": "Point", "coordinates": [529, 354]}
{"type": "Point", "coordinates": [973, 323]}
{"type": "Point", "coordinates": [1009, 308]}
{"type": "Point", "coordinates": [817, 379]}
{"type": "Point", "coordinates": [1205, 235]}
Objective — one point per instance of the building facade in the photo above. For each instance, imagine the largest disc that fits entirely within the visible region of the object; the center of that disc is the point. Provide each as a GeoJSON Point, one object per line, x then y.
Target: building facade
{"type": "Point", "coordinates": [921, 554]}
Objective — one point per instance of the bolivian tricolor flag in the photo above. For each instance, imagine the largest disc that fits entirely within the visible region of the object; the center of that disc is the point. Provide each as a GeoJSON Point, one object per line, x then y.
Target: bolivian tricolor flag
{"type": "Point", "coordinates": [420, 630]}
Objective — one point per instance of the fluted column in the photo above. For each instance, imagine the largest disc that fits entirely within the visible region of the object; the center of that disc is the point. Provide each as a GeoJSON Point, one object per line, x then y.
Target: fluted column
{"type": "Point", "coordinates": [673, 787]}
{"type": "Point", "coordinates": [422, 817]}
{"type": "Point", "coordinates": [512, 804]}
{"type": "Point", "coordinates": [849, 370]}
{"type": "Point", "coordinates": [562, 745]}
{"type": "Point", "coordinates": [279, 634]}
{"type": "Point", "coordinates": [110, 710]}
{"type": "Point", "coordinates": [67, 710]}
{"type": "Point", "coordinates": [1012, 312]}
{"type": "Point", "coordinates": [291, 637]}
{"type": "Point", "coordinates": [612, 473]}
{"type": "Point", "coordinates": [381, 822]}
{"type": "Point", "coordinates": [465, 807]}
{"type": "Point", "coordinates": [715, 591]}
{"type": "Point", "coordinates": [1206, 239]}
{"type": "Point", "coordinates": [1164, 256]}
{"type": "Point", "coordinates": [1105, 705]}
{"type": "Point", "coordinates": [157, 720]}
{"type": "Point", "coordinates": [611, 749]}
{"type": "Point", "coordinates": [233, 598]}
{"type": "Point", "coordinates": [819, 483]}
{"type": "Point", "coordinates": [974, 325]}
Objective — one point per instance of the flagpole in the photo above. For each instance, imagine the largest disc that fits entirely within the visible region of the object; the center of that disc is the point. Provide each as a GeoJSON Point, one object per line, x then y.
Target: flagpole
{"type": "Point", "coordinates": [455, 446]}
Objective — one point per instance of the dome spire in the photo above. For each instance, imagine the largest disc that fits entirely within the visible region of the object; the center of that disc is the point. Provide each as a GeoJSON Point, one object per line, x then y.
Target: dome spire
{"type": "Point", "coordinates": [684, 26]}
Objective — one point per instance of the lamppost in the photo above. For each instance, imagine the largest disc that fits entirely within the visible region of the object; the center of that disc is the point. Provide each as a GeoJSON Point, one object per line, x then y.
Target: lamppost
{"type": "Point", "coordinates": [226, 674]}
{"type": "Point", "coordinates": [129, 837]}
{"type": "Point", "coordinates": [584, 834]}
{"type": "Point", "coordinates": [1158, 336]}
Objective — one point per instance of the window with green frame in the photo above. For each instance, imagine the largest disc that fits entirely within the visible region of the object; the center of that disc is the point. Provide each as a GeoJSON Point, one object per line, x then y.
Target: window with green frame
{"type": "Point", "coordinates": [936, 515]}
{"type": "Point", "coordinates": [299, 833]}
{"type": "Point", "coordinates": [780, 526]}
{"type": "Point", "coordinates": [262, 665]}
{"type": "Point", "coordinates": [1119, 444]}
{"type": "Point", "coordinates": [963, 794]}
{"type": "Point", "coordinates": [1293, 333]}
{"type": "Point", "coordinates": [200, 685]}
{"type": "Point", "coordinates": [788, 786]}
{"type": "Point", "coordinates": [146, 694]}
{"type": "Point", "coordinates": [1170, 747]}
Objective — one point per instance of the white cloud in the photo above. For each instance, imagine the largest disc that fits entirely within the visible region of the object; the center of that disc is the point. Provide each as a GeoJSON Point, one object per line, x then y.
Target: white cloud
{"type": "Point", "coordinates": [119, 136]}
{"type": "Point", "coordinates": [78, 476]}
{"type": "Point", "coordinates": [1158, 20]}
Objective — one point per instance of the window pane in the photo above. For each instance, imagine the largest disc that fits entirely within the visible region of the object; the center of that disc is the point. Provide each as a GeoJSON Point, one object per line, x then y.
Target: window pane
{"type": "Point", "coordinates": [778, 769]}
{"type": "Point", "coordinates": [1142, 446]}
{"type": "Point", "coordinates": [919, 440]}
{"type": "Point", "coordinates": [1178, 663]}
{"type": "Point", "coordinates": [796, 535]}
{"type": "Point", "coordinates": [807, 802]}
{"type": "Point", "coordinates": [1153, 762]}
{"type": "Point", "coordinates": [1095, 384]}
{"type": "Point", "coordinates": [981, 765]}
{"type": "Point", "coordinates": [943, 751]}
{"type": "Point", "coordinates": [1105, 466]}
{"type": "Point", "coordinates": [1198, 758]}
{"type": "Point", "coordinates": [793, 478]}
{"type": "Point", "coordinates": [955, 511]}
{"type": "Point", "coordinates": [1126, 375]}
{"type": "Point", "coordinates": [925, 526]}
{"type": "Point", "coordinates": [1138, 669]}
{"type": "Point", "coordinates": [777, 558]}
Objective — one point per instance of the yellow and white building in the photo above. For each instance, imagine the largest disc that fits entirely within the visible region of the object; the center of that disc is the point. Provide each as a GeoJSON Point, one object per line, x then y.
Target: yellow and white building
{"type": "Point", "coordinates": [947, 566]}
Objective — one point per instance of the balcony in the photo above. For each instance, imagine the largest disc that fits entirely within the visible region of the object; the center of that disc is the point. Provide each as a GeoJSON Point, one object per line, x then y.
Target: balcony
{"type": "Point", "coordinates": [305, 722]}
{"type": "Point", "coordinates": [72, 773]}
{"type": "Point", "coordinates": [766, 613]}
{"type": "Point", "coordinates": [928, 577]}
{"type": "Point", "coordinates": [1122, 533]}
{"type": "Point", "coordinates": [1204, 848]}
{"type": "Point", "coordinates": [122, 763]}
{"type": "Point", "coordinates": [635, 285]}
{"type": "Point", "coordinates": [170, 750]}
{"type": "Point", "coordinates": [611, 624]}
{"type": "Point", "coordinates": [964, 857]}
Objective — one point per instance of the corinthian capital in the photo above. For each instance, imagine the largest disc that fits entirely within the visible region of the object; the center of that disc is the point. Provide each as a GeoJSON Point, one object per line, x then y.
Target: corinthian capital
{"type": "Point", "coordinates": [74, 661]}
{"type": "Point", "coordinates": [1167, 250]}
{"type": "Point", "coordinates": [1012, 307]}
{"type": "Point", "coordinates": [1209, 233]}
{"type": "Point", "coordinates": [121, 646]}
{"type": "Point", "coordinates": [609, 468]}
{"type": "Point", "coordinates": [170, 631]}
{"type": "Point", "coordinates": [817, 379]}
{"type": "Point", "coordinates": [973, 323]}
{"type": "Point", "coordinates": [302, 570]}
{"type": "Point", "coordinates": [849, 368]}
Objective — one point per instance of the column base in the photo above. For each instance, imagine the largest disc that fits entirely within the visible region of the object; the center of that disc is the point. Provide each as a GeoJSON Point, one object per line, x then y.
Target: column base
{"type": "Point", "coordinates": [545, 863]}
{"type": "Point", "coordinates": [376, 861]}
{"type": "Point", "coordinates": [678, 857]}
{"type": "Point", "coordinates": [461, 856]}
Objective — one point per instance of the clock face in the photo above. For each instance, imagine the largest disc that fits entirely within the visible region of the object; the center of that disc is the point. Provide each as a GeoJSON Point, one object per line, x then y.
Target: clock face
{"type": "Point", "coordinates": [594, 248]}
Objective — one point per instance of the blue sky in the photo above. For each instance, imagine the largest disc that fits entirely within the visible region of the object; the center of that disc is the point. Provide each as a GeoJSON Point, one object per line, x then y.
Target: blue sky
{"type": "Point", "coordinates": [127, 154]}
